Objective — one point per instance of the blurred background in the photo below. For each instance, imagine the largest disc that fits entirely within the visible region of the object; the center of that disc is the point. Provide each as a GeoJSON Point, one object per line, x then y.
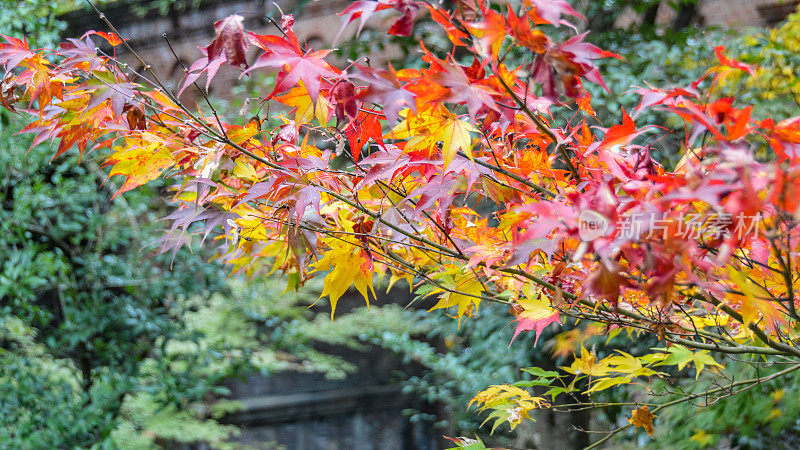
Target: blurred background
{"type": "Point", "coordinates": [104, 344]}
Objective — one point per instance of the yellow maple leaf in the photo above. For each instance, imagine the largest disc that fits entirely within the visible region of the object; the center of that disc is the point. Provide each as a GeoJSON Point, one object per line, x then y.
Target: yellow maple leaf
{"type": "Point", "coordinates": [240, 135]}
{"type": "Point", "coordinates": [347, 266]}
{"type": "Point", "coordinates": [139, 161]}
{"type": "Point", "coordinates": [587, 364]}
{"type": "Point", "coordinates": [432, 126]}
{"type": "Point", "coordinates": [245, 171]}
{"type": "Point", "coordinates": [464, 292]}
{"type": "Point", "coordinates": [509, 403]}
{"type": "Point", "coordinates": [454, 135]}
{"type": "Point", "coordinates": [305, 109]}
{"type": "Point", "coordinates": [751, 307]}
{"type": "Point", "coordinates": [536, 307]}
{"type": "Point", "coordinates": [642, 417]}
{"type": "Point", "coordinates": [680, 356]}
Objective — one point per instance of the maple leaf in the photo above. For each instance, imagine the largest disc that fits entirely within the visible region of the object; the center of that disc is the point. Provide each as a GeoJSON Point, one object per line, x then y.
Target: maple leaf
{"type": "Point", "coordinates": [678, 355]}
{"type": "Point", "coordinates": [432, 127]}
{"type": "Point", "coordinates": [229, 45]}
{"type": "Point", "coordinates": [490, 33]}
{"type": "Point", "coordinates": [385, 89]}
{"type": "Point", "coordinates": [442, 17]}
{"type": "Point", "coordinates": [587, 364]}
{"type": "Point", "coordinates": [305, 110]}
{"type": "Point", "coordinates": [105, 88]}
{"type": "Point", "coordinates": [43, 85]}
{"type": "Point", "coordinates": [551, 10]}
{"type": "Point", "coordinates": [740, 127]}
{"type": "Point", "coordinates": [729, 62]}
{"type": "Point", "coordinates": [9, 94]}
{"type": "Point", "coordinates": [139, 161]}
{"type": "Point", "coordinates": [230, 40]}
{"type": "Point", "coordinates": [13, 52]}
{"type": "Point", "coordinates": [519, 28]}
{"type": "Point", "coordinates": [628, 364]}
{"type": "Point", "coordinates": [534, 314]}
{"type": "Point", "coordinates": [344, 96]}
{"type": "Point", "coordinates": [642, 417]}
{"type": "Point", "coordinates": [348, 266]}
{"type": "Point", "coordinates": [364, 127]}
{"type": "Point", "coordinates": [383, 164]}
{"type": "Point", "coordinates": [752, 305]}
{"type": "Point", "coordinates": [364, 9]}
{"type": "Point", "coordinates": [403, 25]}
{"type": "Point", "coordinates": [81, 50]}
{"type": "Point", "coordinates": [571, 60]}
{"type": "Point", "coordinates": [111, 38]}
{"type": "Point", "coordinates": [295, 64]}
{"type": "Point", "coordinates": [461, 89]}
{"type": "Point", "coordinates": [606, 284]}
{"type": "Point", "coordinates": [461, 290]}
{"type": "Point", "coordinates": [583, 53]}
{"type": "Point", "coordinates": [454, 135]}
{"type": "Point", "coordinates": [509, 404]}
{"type": "Point", "coordinates": [620, 134]}
{"type": "Point", "coordinates": [542, 73]}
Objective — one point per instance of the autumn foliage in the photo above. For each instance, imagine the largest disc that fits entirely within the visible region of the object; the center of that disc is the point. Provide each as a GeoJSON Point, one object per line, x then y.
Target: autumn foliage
{"type": "Point", "coordinates": [457, 178]}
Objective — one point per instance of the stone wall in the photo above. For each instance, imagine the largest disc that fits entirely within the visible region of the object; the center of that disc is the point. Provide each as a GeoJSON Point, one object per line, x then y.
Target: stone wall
{"type": "Point", "coordinates": [753, 13]}
{"type": "Point", "coordinates": [303, 411]}
{"type": "Point", "coordinates": [727, 13]}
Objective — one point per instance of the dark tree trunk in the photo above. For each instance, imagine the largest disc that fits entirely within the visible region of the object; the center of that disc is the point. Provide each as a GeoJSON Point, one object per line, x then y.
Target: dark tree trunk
{"type": "Point", "coordinates": [562, 431]}
{"type": "Point", "coordinates": [649, 17]}
{"type": "Point", "coordinates": [685, 16]}
{"type": "Point", "coordinates": [557, 430]}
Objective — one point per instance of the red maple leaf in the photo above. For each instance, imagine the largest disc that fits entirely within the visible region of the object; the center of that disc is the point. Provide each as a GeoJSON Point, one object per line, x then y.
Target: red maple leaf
{"type": "Point", "coordinates": [366, 126]}
{"type": "Point", "coordinates": [229, 45]}
{"type": "Point", "coordinates": [296, 64]}
{"type": "Point", "coordinates": [403, 25]}
{"type": "Point", "coordinates": [730, 62]}
{"type": "Point", "coordinates": [364, 9]}
{"type": "Point", "coordinates": [620, 134]}
{"type": "Point", "coordinates": [552, 10]}
{"type": "Point", "coordinates": [442, 17]}
{"type": "Point", "coordinates": [384, 88]}
{"type": "Point", "coordinates": [230, 40]}
{"type": "Point", "coordinates": [14, 52]}
{"type": "Point", "coordinates": [346, 103]}
{"type": "Point", "coordinates": [359, 10]}
{"type": "Point", "coordinates": [520, 29]}
{"type": "Point", "coordinates": [461, 89]}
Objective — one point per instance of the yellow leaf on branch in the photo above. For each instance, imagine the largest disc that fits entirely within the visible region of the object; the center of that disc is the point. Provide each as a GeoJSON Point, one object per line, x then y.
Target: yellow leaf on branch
{"type": "Point", "coordinates": [678, 355]}
{"type": "Point", "coordinates": [305, 109]}
{"type": "Point", "coordinates": [642, 417]}
{"type": "Point", "coordinates": [348, 266]}
{"type": "Point", "coordinates": [431, 127]}
{"type": "Point", "coordinates": [587, 364]}
{"type": "Point", "coordinates": [753, 305]}
{"type": "Point", "coordinates": [508, 404]}
{"type": "Point", "coordinates": [139, 161]}
{"type": "Point", "coordinates": [459, 289]}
